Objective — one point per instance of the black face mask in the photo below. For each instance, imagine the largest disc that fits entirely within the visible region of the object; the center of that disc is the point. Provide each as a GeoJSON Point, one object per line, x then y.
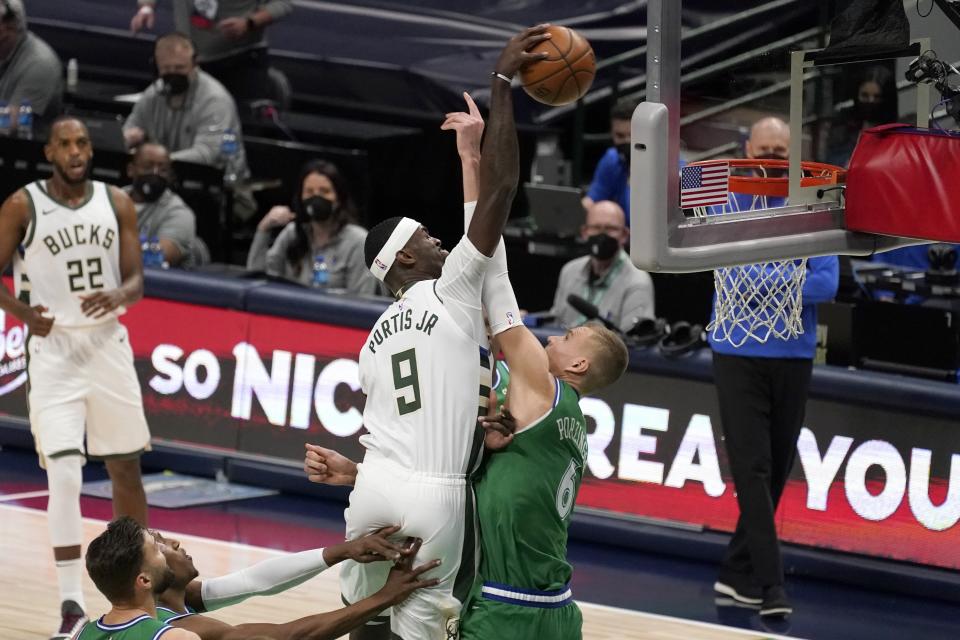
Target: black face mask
{"type": "Point", "coordinates": [623, 152]}
{"type": "Point", "coordinates": [773, 173]}
{"type": "Point", "coordinates": [869, 111]}
{"type": "Point", "coordinates": [175, 84]}
{"type": "Point", "coordinates": [150, 186]}
{"type": "Point", "coordinates": [317, 209]}
{"type": "Point", "coordinates": [602, 246]}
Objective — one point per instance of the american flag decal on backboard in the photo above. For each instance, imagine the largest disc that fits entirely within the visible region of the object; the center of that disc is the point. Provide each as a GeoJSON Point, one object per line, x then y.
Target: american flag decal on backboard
{"type": "Point", "coordinates": [704, 186]}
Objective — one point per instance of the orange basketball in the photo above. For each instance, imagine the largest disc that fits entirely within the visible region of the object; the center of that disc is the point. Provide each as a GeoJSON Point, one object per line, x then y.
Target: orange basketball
{"type": "Point", "coordinates": [566, 74]}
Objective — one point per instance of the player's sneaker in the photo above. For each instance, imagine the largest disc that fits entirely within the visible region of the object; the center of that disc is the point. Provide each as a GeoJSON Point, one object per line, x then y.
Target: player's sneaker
{"type": "Point", "coordinates": [739, 587]}
{"type": "Point", "coordinates": [72, 619]}
{"type": "Point", "coordinates": [775, 602]}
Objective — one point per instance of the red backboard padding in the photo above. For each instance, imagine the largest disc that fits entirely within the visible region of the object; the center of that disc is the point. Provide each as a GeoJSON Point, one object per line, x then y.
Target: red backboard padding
{"type": "Point", "coordinates": [905, 181]}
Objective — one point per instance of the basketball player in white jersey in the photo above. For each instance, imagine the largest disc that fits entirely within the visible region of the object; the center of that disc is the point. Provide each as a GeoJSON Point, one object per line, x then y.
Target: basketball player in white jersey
{"type": "Point", "coordinates": [426, 372]}
{"type": "Point", "coordinates": [77, 266]}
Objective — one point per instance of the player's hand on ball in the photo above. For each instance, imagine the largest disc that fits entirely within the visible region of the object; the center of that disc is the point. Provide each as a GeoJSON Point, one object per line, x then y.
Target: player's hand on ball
{"type": "Point", "coordinates": [326, 466]}
{"type": "Point", "coordinates": [516, 54]}
{"type": "Point", "coordinates": [404, 579]}
{"type": "Point", "coordinates": [37, 323]}
{"type": "Point", "coordinates": [99, 304]}
{"type": "Point", "coordinates": [498, 429]}
{"type": "Point", "coordinates": [469, 128]}
{"type": "Point", "coordinates": [374, 547]}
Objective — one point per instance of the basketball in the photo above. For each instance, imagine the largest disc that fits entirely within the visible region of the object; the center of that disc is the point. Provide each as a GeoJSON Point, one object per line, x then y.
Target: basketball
{"type": "Point", "coordinates": [566, 74]}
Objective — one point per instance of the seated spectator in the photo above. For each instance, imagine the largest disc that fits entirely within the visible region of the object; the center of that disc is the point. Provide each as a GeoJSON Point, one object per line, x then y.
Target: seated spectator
{"type": "Point", "coordinates": [611, 178]}
{"type": "Point", "coordinates": [29, 68]}
{"type": "Point", "coordinates": [318, 222]}
{"type": "Point", "coordinates": [874, 103]}
{"type": "Point", "coordinates": [230, 38]}
{"type": "Point", "coordinates": [606, 277]}
{"type": "Point", "coordinates": [186, 110]}
{"type": "Point", "coordinates": [161, 213]}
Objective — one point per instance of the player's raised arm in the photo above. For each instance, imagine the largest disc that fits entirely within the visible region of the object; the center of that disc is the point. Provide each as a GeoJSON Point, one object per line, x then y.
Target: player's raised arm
{"type": "Point", "coordinates": [131, 262]}
{"type": "Point", "coordinates": [14, 222]}
{"type": "Point", "coordinates": [500, 164]}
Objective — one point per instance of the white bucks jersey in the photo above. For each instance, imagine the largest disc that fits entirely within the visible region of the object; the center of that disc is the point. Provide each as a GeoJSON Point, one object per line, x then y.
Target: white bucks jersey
{"type": "Point", "coordinates": [68, 252]}
{"type": "Point", "coordinates": [426, 372]}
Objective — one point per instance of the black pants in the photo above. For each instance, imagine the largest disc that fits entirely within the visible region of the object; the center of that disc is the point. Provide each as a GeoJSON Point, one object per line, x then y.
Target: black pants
{"type": "Point", "coordinates": [762, 402]}
{"type": "Point", "coordinates": [245, 75]}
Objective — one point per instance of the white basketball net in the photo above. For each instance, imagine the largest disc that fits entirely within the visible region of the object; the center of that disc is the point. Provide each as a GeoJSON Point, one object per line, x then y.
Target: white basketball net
{"type": "Point", "coordinates": [757, 301]}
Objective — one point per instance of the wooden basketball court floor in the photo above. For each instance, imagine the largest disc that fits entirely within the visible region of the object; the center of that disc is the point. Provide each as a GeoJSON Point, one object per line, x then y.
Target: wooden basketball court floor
{"type": "Point", "coordinates": [28, 589]}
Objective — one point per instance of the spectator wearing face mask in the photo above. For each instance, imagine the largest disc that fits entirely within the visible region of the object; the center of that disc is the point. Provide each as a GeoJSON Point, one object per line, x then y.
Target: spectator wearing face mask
{"type": "Point", "coordinates": [611, 178]}
{"type": "Point", "coordinates": [161, 213]}
{"type": "Point", "coordinates": [186, 110]}
{"type": "Point", "coordinates": [317, 223]}
{"type": "Point", "coordinates": [230, 37]}
{"type": "Point", "coordinates": [606, 277]}
{"type": "Point", "coordinates": [874, 103]}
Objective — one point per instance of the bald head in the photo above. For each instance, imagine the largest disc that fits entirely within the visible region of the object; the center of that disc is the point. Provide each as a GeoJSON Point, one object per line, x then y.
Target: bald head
{"type": "Point", "coordinates": [605, 217]}
{"type": "Point", "coordinates": [769, 137]}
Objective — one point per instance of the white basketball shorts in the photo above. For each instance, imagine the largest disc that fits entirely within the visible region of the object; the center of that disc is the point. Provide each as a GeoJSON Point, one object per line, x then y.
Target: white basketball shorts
{"type": "Point", "coordinates": [83, 383]}
{"type": "Point", "coordinates": [440, 510]}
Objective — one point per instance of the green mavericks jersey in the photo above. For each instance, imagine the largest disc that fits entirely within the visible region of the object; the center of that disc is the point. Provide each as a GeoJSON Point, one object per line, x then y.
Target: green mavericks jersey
{"type": "Point", "coordinates": [141, 628]}
{"type": "Point", "coordinates": [501, 378]}
{"type": "Point", "coordinates": [525, 495]}
{"type": "Point", "coordinates": [169, 615]}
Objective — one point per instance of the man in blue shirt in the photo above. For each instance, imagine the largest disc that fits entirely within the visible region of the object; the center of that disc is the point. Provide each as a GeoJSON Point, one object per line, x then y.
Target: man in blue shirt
{"type": "Point", "coordinates": [611, 178]}
{"type": "Point", "coordinates": [762, 391]}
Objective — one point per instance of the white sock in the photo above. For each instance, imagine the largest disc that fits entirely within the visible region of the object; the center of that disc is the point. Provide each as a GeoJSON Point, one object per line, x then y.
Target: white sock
{"type": "Point", "coordinates": [70, 578]}
{"type": "Point", "coordinates": [64, 479]}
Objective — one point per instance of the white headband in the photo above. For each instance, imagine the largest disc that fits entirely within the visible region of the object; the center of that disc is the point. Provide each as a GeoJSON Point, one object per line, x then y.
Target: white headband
{"type": "Point", "coordinates": [397, 240]}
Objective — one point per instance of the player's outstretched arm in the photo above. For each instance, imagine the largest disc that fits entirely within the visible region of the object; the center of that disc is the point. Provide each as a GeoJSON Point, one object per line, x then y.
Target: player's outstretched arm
{"type": "Point", "coordinates": [468, 126]}
{"type": "Point", "coordinates": [14, 220]}
{"type": "Point", "coordinates": [401, 582]}
{"type": "Point", "coordinates": [500, 164]}
{"type": "Point", "coordinates": [130, 290]}
{"type": "Point", "coordinates": [285, 572]}
{"type": "Point", "coordinates": [532, 387]}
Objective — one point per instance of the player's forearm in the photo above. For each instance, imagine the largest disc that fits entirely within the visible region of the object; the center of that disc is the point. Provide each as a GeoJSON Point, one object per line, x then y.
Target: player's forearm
{"type": "Point", "coordinates": [10, 304]}
{"type": "Point", "coordinates": [132, 288]}
{"type": "Point", "coordinates": [470, 163]}
{"type": "Point", "coordinates": [264, 578]}
{"type": "Point", "coordinates": [499, 171]}
{"type": "Point", "coordinates": [323, 626]}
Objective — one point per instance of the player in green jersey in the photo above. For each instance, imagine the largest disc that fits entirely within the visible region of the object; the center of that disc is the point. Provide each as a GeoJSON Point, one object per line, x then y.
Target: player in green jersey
{"type": "Point", "coordinates": [179, 604]}
{"type": "Point", "coordinates": [129, 568]}
{"type": "Point", "coordinates": [527, 489]}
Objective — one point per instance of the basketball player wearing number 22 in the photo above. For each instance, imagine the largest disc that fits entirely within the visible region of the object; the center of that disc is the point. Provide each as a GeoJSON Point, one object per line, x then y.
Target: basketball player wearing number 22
{"type": "Point", "coordinates": [77, 265]}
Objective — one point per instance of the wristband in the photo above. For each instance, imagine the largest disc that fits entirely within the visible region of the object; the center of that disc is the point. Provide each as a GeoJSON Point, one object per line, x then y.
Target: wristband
{"type": "Point", "coordinates": [145, 8]}
{"type": "Point", "coordinates": [497, 74]}
{"type": "Point", "coordinates": [251, 24]}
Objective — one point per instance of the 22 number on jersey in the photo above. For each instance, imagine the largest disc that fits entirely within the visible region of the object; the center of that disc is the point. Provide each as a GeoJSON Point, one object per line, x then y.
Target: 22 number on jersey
{"type": "Point", "coordinates": [85, 279]}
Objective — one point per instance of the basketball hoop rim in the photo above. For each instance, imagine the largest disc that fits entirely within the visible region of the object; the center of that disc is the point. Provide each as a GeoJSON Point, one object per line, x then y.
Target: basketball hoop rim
{"type": "Point", "coordinates": [816, 174]}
